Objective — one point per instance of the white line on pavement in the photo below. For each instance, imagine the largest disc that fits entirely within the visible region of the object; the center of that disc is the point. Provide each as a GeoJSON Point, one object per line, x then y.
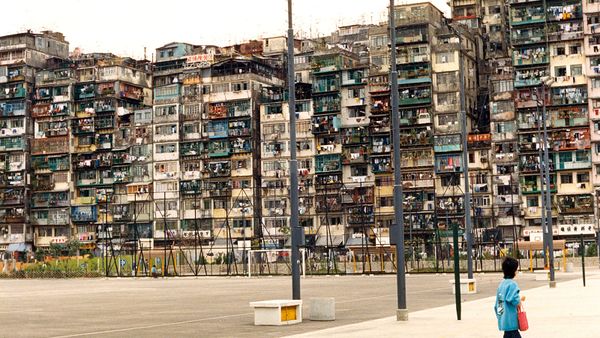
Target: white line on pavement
{"type": "Point", "coordinates": [151, 326]}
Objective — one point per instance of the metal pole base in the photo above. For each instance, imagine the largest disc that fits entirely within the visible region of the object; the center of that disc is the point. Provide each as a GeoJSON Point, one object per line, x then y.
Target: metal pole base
{"type": "Point", "coordinates": [552, 284]}
{"type": "Point", "coordinates": [401, 315]}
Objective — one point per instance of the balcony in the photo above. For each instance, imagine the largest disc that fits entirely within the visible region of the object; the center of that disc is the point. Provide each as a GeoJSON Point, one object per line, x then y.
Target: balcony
{"type": "Point", "coordinates": [239, 128]}
{"type": "Point", "coordinates": [219, 169]}
{"type": "Point", "coordinates": [84, 214]}
{"type": "Point", "coordinates": [325, 124]}
{"type": "Point", "coordinates": [527, 78]}
{"type": "Point", "coordinates": [217, 129]}
{"type": "Point", "coordinates": [447, 143]}
{"type": "Point", "coordinates": [12, 143]}
{"type": "Point", "coordinates": [192, 148]}
{"type": "Point", "coordinates": [569, 96]}
{"type": "Point", "coordinates": [505, 157]}
{"type": "Point", "coordinates": [525, 15]}
{"type": "Point", "coordinates": [357, 135]}
{"type": "Point", "coordinates": [360, 216]}
{"type": "Point", "coordinates": [85, 91]}
{"type": "Point", "coordinates": [565, 32]}
{"type": "Point", "coordinates": [355, 155]}
{"type": "Point", "coordinates": [241, 145]}
{"type": "Point", "coordinates": [564, 11]}
{"type": "Point", "coordinates": [416, 138]}
{"type": "Point", "coordinates": [43, 183]}
{"type": "Point", "coordinates": [575, 204]}
{"type": "Point", "coordinates": [327, 163]}
{"type": "Point", "coordinates": [353, 77]}
{"type": "Point", "coordinates": [11, 197]}
{"type": "Point", "coordinates": [530, 56]}
{"type": "Point", "coordinates": [50, 199]}
{"type": "Point", "coordinates": [381, 164]}
{"type": "Point", "coordinates": [380, 105]}
{"type": "Point", "coordinates": [414, 96]}
{"type": "Point", "coordinates": [219, 149]}
{"type": "Point", "coordinates": [328, 203]}
{"type": "Point", "coordinates": [325, 104]}
{"type": "Point", "coordinates": [569, 117]}
{"type": "Point", "coordinates": [528, 36]}
{"type": "Point", "coordinates": [230, 109]}
{"type": "Point", "coordinates": [50, 217]}
{"type": "Point", "coordinates": [15, 108]}
{"type": "Point", "coordinates": [417, 158]}
{"type": "Point", "coordinates": [414, 73]}
{"type": "Point", "coordinates": [564, 160]}
{"type": "Point", "coordinates": [412, 58]}
{"type": "Point", "coordinates": [104, 105]}
{"type": "Point", "coordinates": [12, 91]}
{"type": "Point", "coordinates": [168, 113]}
{"type": "Point", "coordinates": [130, 92]}
{"type": "Point", "coordinates": [448, 163]}
{"type": "Point", "coordinates": [326, 84]}
{"type": "Point", "coordinates": [406, 35]}
{"type": "Point", "coordinates": [167, 94]}
{"type": "Point", "coordinates": [381, 144]}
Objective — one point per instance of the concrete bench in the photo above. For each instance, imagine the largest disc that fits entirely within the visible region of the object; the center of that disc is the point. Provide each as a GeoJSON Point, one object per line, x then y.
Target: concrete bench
{"type": "Point", "coordinates": [321, 309]}
{"type": "Point", "coordinates": [467, 286]}
{"type": "Point", "coordinates": [277, 312]}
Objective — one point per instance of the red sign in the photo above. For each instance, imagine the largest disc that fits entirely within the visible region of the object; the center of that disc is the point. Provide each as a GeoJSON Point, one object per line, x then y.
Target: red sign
{"type": "Point", "coordinates": [196, 58]}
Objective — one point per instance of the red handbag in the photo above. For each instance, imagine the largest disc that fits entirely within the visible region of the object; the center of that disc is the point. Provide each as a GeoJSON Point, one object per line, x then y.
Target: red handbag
{"type": "Point", "coordinates": [522, 318]}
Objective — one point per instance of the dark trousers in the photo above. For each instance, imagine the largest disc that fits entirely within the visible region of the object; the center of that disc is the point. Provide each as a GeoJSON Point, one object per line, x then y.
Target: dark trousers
{"type": "Point", "coordinates": [512, 334]}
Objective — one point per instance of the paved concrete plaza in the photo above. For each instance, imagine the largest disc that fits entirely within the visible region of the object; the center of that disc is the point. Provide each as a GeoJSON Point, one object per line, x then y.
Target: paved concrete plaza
{"type": "Point", "coordinates": [569, 310]}
{"type": "Point", "coordinates": [210, 307]}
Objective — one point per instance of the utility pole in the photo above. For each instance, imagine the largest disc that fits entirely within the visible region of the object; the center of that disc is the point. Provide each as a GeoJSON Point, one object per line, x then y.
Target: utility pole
{"type": "Point", "coordinates": [548, 226]}
{"type": "Point", "coordinates": [401, 311]}
{"type": "Point", "coordinates": [465, 156]}
{"type": "Point", "coordinates": [294, 226]}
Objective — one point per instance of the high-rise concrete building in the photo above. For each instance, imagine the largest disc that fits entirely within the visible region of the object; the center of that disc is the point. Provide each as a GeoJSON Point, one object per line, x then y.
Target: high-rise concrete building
{"type": "Point", "coordinates": [21, 57]}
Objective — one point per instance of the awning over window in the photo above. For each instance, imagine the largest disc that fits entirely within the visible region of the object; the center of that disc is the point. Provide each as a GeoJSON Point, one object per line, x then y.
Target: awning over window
{"type": "Point", "coordinates": [18, 247]}
{"type": "Point", "coordinates": [333, 241]}
{"type": "Point", "coordinates": [358, 241]}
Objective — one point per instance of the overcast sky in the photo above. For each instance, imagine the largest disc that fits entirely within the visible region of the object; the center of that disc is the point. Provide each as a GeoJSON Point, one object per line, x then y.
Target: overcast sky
{"type": "Point", "coordinates": [125, 27]}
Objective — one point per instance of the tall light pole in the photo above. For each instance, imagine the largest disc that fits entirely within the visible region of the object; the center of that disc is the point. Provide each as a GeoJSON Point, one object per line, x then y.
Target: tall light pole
{"type": "Point", "coordinates": [294, 226]}
{"type": "Point", "coordinates": [401, 311]}
{"type": "Point", "coordinates": [547, 227]}
{"type": "Point", "coordinates": [465, 154]}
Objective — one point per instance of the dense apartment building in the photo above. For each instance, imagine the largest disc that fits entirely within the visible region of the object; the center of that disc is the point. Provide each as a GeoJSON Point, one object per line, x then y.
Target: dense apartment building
{"type": "Point", "coordinates": [196, 145]}
{"type": "Point", "coordinates": [548, 60]}
{"type": "Point", "coordinates": [106, 93]}
{"type": "Point", "coordinates": [21, 57]}
{"type": "Point", "coordinates": [207, 168]}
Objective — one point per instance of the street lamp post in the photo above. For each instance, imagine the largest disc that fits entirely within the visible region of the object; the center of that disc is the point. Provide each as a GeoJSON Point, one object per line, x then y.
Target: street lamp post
{"type": "Point", "coordinates": [294, 201]}
{"type": "Point", "coordinates": [547, 227]}
{"type": "Point", "coordinates": [401, 311]}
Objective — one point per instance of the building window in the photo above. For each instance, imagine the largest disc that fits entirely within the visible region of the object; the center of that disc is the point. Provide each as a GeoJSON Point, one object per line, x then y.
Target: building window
{"type": "Point", "coordinates": [445, 99]}
{"type": "Point", "coordinates": [576, 70]}
{"type": "Point", "coordinates": [386, 201]}
{"type": "Point", "coordinates": [575, 49]}
{"type": "Point", "coordinates": [446, 57]}
{"type": "Point", "coordinates": [583, 178]}
{"type": "Point", "coordinates": [532, 201]}
{"type": "Point", "coordinates": [581, 156]}
{"type": "Point", "coordinates": [566, 178]}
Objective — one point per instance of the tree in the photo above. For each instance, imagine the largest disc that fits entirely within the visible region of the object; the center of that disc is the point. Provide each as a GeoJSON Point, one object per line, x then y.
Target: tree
{"type": "Point", "coordinates": [72, 247]}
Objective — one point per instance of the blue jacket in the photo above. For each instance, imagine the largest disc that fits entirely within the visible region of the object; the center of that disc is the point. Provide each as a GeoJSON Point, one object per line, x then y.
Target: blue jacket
{"type": "Point", "coordinates": [507, 299]}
